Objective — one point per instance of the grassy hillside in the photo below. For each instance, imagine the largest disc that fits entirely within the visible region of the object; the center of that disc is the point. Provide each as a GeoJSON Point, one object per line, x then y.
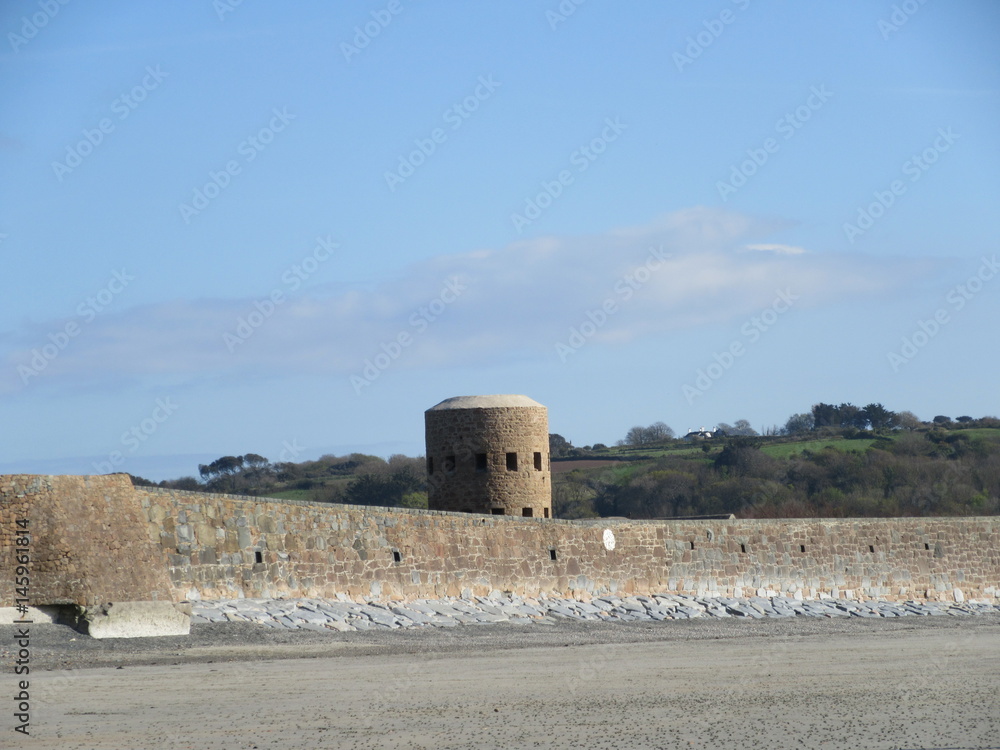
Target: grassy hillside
{"type": "Point", "coordinates": [934, 470]}
{"type": "Point", "coordinates": [776, 447]}
{"type": "Point", "coordinates": [785, 450]}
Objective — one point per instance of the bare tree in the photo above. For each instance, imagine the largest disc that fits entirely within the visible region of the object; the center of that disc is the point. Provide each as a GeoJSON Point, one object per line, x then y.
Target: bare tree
{"type": "Point", "coordinates": [743, 427]}
{"type": "Point", "coordinates": [659, 431]}
{"type": "Point", "coordinates": [655, 433]}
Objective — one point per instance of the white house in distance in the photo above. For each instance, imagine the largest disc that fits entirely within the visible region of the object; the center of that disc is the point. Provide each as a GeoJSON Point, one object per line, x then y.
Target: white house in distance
{"type": "Point", "coordinates": [702, 434]}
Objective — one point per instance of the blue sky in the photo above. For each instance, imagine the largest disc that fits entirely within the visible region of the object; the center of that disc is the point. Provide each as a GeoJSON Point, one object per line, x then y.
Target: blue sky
{"type": "Point", "coordinates": [290, 228]}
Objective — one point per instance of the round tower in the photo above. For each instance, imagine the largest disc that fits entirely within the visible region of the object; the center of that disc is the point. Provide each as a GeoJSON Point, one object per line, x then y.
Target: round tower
{"type": "Point", "coordinates": [489, 454]}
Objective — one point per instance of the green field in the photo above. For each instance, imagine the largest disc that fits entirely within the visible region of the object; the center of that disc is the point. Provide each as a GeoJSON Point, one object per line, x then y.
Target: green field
{"type": "Point", "coordinates": [784, 450]}
{"type": "Point", "coordinates": [985, 433]}
{"type": "Point", "coordinates": [781, 449]}
{"type": "Point", "coordinates": [678, 448]}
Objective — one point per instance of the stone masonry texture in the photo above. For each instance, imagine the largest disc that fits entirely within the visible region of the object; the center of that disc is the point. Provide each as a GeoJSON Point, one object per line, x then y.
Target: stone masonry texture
{"type": "Point", "coordinates": [97, 538]}
{"type": "Point", "coordinates": [89, 543]}
{"type": "Point", "coordinates": [489, 454]}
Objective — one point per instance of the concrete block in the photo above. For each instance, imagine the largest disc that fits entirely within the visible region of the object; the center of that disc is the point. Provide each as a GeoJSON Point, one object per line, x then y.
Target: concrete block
{"type": "Point", "coordinates": [133, 619]}
{"type": "Point", "coordinates": [34, 614]}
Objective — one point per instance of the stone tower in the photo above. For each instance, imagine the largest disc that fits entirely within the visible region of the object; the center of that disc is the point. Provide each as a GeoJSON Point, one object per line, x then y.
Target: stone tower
{"type": "Point", "coordinates": [489, 454]}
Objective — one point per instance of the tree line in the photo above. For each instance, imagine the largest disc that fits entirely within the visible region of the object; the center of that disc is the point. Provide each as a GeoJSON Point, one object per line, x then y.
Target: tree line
{"type": "Point", "coordinates": [910, 468]}
{"type": "Point", "coordinates": [822, 416]}
{"type": "Point", "coordinates": [358, 479]}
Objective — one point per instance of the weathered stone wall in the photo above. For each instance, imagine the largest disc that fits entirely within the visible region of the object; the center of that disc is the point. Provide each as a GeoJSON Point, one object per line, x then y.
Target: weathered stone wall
{"type": "Point", "coordinates": [489, 454]}
{"type": "Point", "coordinates": [96, 539]}
{"type": "Point", "coordinates": [226, 546]}
{"type": "Point", "coordinates": [89, 542]}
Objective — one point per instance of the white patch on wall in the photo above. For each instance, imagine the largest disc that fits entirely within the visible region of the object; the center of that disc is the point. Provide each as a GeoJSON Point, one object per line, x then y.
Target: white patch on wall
{"type": "Point", "coordinates": [609, 540]}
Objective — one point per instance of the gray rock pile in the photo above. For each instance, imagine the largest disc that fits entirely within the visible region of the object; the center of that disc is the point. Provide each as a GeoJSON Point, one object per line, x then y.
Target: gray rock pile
{"type": "Point", "coordinates": [345, 615]}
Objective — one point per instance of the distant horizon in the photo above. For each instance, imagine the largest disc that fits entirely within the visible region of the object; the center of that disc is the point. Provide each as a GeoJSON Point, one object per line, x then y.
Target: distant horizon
{"type": "Point", "coordinates": [164, 468]}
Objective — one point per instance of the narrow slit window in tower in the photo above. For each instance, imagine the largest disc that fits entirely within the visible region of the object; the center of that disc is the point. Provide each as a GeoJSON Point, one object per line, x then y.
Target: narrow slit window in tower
{"type": "Point", "coordinates": [546, 512]}
{"type": "Point", "coordinates": [538, 461]}
{"type": "Point", "coordinates": [449, 464]}
{"type": "Point", "coordinates": [527, 512]}
{"type": "Point", "coordinates": [511, 462]}
{"type": "Point", "coordinates": [430, 465]}
{"type": "Point", "coordinates": [480, 462]}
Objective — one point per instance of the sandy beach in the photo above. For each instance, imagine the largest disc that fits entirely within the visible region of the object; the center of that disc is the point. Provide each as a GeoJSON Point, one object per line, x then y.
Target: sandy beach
{"type": "Point", "coordinates": [920, 683]}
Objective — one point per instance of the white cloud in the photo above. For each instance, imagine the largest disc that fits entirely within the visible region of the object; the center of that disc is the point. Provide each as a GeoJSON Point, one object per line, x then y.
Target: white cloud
{"type": "Point", "coordinates": [780, 249]}
{"type": "Point", "coordinates": [468, 309]}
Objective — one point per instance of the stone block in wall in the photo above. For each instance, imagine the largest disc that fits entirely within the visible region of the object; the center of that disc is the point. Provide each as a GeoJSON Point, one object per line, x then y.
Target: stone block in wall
{"type": "Point", "coordinates": [204, 534]}
{"type": "Point", "coordinates": [243, 538]}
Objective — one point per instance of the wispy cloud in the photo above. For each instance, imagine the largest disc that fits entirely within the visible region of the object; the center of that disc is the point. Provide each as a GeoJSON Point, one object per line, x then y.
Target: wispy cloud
{"type": "Point", "coordinates": [780, 249]}
{"type": "Point", "coordinates": [516, 301]}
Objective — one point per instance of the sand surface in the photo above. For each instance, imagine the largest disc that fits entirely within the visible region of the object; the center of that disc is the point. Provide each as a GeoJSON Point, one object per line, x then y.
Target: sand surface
{"type": "Point", "coordinates": [920, 683]}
